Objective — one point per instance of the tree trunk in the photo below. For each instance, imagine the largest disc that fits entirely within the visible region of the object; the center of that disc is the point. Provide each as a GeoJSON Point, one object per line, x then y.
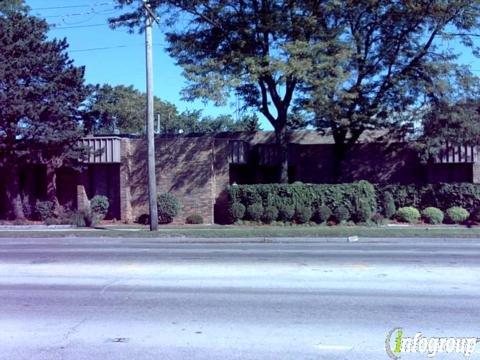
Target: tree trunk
{"type": "Point", "coordinates": [339, 154]}
{"type": "Point", "coordinates": [282, 144]}
{"type": "Point", "coordinates": [52, 185]}
{"type": "Point", "coordinates": [13, 194]}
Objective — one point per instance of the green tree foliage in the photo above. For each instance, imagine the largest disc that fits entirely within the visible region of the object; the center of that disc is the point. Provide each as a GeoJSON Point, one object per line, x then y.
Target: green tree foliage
{"type": "Point", "coordinates": [261, 51]}
{"type": "Point", "coordinates": [121, 109]}
{"type": "Point", "coordinates": [396, 58]}
{"type": "Point", "coordinates": [12, 6]}
{"type": "Point", "coordinates": [357, 64]}
{"type": "Point", "coordinates": [452, 124]}
{"type": "Point", "coordinates": [40, 96]}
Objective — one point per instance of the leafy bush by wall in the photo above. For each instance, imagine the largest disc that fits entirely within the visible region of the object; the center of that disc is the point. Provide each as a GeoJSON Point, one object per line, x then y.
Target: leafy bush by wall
{"type": "Point", "coordinates": [99, 205]}
{"type": "Point", "coordinates": [293, 196]}
{"type": "Point", "coordinates": [237, 211]}
{"type": "Point", "coordinates": [168, 207]}
{"type": "Point", "coordinates": [442, 195]}
{"type": "Point", "coordinates": [255, 211]}
{"type": "Point", "coordinates": [408, 214]}
{"type": "Point", "coordinates": [286, 212]}
{"type": "Point", "coordinates": [270, 214]}
{"type": "Point", "coordinates": [388, 205]}
{"type": "Point", "coordinates": [45, 209]}
{"type": "Point", "coordinates": [457, 215]}
{"type": "Point", "coordinates": [194, 219]}
{"type": "Point", "coordinates": [341, 214]}
{"type": "Point", "coordinates": [303, 214]}
{"type": "Point", "coordinates": [322, 214]}
{"type": "Point", "coordinates": [432, 215]}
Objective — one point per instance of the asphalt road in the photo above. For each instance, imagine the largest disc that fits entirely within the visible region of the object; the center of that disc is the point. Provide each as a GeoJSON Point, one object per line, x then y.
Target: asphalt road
{"type": "Point", "coordinates": [148, 299]}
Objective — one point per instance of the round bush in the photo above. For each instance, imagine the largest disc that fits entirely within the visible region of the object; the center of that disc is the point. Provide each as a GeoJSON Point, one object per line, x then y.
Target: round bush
{"type": "Point", "coordinates": [363, 212]}
{"type": "Point", "coordinates": [194, 219]}
{"type": "Point", "coordinates": [457, 215]}
{"type": "Point", "coordinates": [389, 208]}
{"type": "Point", "coordinates": [255, 212]}
{"type": "Point", "coordinates": [303, 214]}
{"type": "Point", "coordinates": [45, 209]}
{"type": "Point", "coordinates": [322, 214]}
{"type": "Point", "coordinates": [408, 214]}
{"type": "Point", "coordinates": [168, 207]}
{"type": "Point", "coordinates": [99, 205]}
{"type": "Point", "coordinates": [286, 212]}
{"type": "Point", "coordinates": [475, 215]}
{"type": "Point", "coordinates": [432, 215]}
{"type": "Point", "coordinates": [237, 211]}
{"type": "Point", "coordinates": [144, 219]}
{"type": "Point", "coordinates": [341, 214]}
{"type": "Point", "coordinates": [270, 214]}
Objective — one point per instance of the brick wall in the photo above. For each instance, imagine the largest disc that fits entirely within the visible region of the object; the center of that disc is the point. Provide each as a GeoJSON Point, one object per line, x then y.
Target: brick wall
{"type": "Point", "coordinates": [185, 168]}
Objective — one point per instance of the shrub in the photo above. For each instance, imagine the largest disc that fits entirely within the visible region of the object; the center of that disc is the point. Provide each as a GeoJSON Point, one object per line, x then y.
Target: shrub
{"type": "Point", "coordinates": [286, 212]}
{"type": "Point", "coordinates": [363, 212]}
{"type": "Point", "coordinates": [45, 210]}
{"type": "Point", "coordinates": [168, 207]}
{"type": "Point", "coordinates": [432, 215]}
{"type": "Point", "coordinates": [322, 214]}
{"type": "Point", "coordinates": [144, 219]}
{"type": "Point", "coordinates": [99, 205]}
{"type": "Point", "coordinates": [270, 214]}
{"type": "Point", "coordinates": [408, 214]}
{"type": "Point", "coordinates": [303, 214]}
{"type": "Point", "coordinates": [389, 208]}
{"type": "Point", "coordinates": [237, 211]}
{"type": "Point", "coordinates": [255, 211]}
{"type": "Point", "coordinates": [299, 194]}
{"type": "Point", "coordinates": [341, 214]}
{"type": "Point", "coordinates": [442, 195]}
{"type": "Point", "coordinates": [378, 219]}
{"type": "Point", "coordinates": [475, 215]}
{"type": "Point", "coordinates": [51, 221]}
{"type": "Point", "coordinates": [457, 214]}
{"type": "Point", "coordinates": [194, 219]}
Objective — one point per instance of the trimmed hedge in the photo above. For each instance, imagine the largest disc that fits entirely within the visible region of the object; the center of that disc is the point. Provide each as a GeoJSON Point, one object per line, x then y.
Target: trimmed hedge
{"type": "Point", "coordinates": [322, 214]}
{"type": "Point", "coordinates": [432, 215]}
{"type": "Point", "coordinates": [361, 199]}
{"type": "Point", "coordinates": [408, 214]}
{"type": "Point", "coordinates": [457, 215]}
{"type": "Point", "coordinates": [286, 197]}
{"type": "Point", "coordinates": [442, 195]}
{"type": "Point", "coordinates": [255, 212]}
{"type": "Point", "coordinates": [194, 219]}
{"type": "Point", "coordinates": [303, 214]}
{"type": "Point", "coordinates": [237, 211]}
{"type": "Point", "coordinates": [270, 214]}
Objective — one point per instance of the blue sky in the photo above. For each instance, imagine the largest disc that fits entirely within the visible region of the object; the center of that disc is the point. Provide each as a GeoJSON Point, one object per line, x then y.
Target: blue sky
{"type": "Point", "coordinates": [117, 57]}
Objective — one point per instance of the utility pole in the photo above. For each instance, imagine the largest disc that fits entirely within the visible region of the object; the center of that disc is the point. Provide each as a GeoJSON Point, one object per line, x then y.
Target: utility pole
{"type": "Point", "coordinates": [152, 179]}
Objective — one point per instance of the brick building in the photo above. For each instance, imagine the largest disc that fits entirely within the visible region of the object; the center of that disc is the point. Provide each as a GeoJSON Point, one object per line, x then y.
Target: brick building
{"type": "Point", "coordinates": [197, 169]}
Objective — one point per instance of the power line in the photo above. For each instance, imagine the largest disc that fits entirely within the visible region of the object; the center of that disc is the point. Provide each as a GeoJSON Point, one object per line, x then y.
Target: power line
{"type": "Point", "coordinates": [55, 27]}
{"type": "Point", "coordinates": [111, 47]}
{"type": "Point", "coordinates": [73, 6]}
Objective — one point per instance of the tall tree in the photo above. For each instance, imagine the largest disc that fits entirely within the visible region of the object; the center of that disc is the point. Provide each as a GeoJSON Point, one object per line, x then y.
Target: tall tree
{"type": "Point", "coordinates": [40, 95]}
{"type": "Point", "coordinates": [398, 59]}
{"type": "Point", "coordinates": [121, 109]}
{"type": "Point", "coordinates": [259, 50]}
{"type": "Point", "coordinates": [12, 6]}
